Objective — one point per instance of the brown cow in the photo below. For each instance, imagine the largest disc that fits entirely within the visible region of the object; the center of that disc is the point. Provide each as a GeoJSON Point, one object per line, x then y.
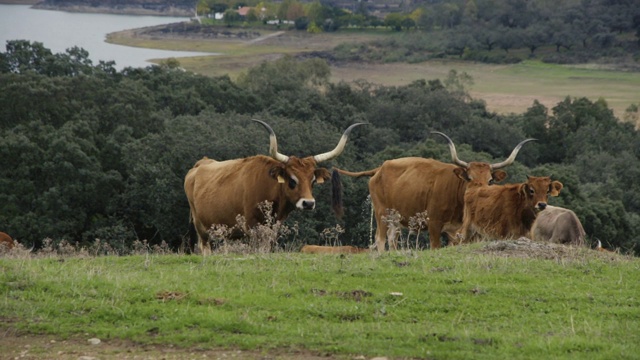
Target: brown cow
{"type": "Point", "coordinates": [413, 185]}
{"type": "Point", "coordinates": [6, 241]}
{"type": "Point", "coordinates": [316, 249]}
{"type": "Point", "coordinates": [219, 191]}
{"type": "Point", "coordinates": [558, 225]}
{"type": "Point", "coordinates": [505, 211]}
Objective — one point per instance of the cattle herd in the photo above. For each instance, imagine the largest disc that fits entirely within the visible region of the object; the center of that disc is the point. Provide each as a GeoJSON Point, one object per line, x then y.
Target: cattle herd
{"type": "Point", "coordinates": [463, 200]}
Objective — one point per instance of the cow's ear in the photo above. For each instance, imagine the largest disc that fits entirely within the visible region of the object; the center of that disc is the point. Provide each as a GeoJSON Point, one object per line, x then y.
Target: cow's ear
{"type": "Point", "coordinates": [499, 175]}
{"type": "Point", "coordinates": [524, 190]}
{"type": "Point", "coordinates": [277, 172]}
{"type": "Point", "coordinates": [461, 173]}
{"type": "Point", "coordinates": [322, 175]}
{"type": "Point", "coordinates": [555, 187]}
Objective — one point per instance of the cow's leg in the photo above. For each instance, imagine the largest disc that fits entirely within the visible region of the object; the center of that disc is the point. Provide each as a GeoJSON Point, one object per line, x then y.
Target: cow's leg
{"type": "Point", "coordinates": [464, 234]}
{"type": "Point", "coordinates": [203, 239]}
{"type": "Point", "coordinates": [381, 233]}
{"type": "Point", "coordinates": [435, 231]}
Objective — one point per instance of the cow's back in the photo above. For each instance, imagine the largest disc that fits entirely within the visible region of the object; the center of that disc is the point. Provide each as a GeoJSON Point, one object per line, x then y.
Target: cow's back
{"type": "Point", "coordinates": [497, 211]}
{"type": "Point", "coordinates": [219, 190]}
{"type": "Point", "coordinates": [412, 185]}
{"type": "Point", "coordinates": [558, 225]}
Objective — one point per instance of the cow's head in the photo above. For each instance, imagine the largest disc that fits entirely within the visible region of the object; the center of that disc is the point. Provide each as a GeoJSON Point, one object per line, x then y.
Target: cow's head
{"type": "Point", "coordinates": [537, 190]}
{"type": "Point", "coordinates": [298, 175]}
{"type": "Point", "coordinates": [481, 173]}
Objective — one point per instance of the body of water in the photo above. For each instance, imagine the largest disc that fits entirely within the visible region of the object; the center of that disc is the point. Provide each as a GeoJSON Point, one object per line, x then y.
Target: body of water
{"type": "Point", "coordinates": [58, 31]}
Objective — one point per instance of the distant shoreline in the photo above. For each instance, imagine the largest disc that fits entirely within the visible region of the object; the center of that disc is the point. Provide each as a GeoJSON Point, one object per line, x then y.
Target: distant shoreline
{"type": "Point", "coordinates": [19, 2]}
{"type": "Point", "coordinates": [119, 10]}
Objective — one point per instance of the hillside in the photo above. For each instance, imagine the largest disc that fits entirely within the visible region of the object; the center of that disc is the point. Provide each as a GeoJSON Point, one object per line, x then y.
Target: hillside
{"type": "Point", "coordinates": [134, 7]}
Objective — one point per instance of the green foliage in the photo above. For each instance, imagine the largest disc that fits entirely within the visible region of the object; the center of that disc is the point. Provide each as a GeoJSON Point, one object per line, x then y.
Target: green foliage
{"type": "Point", "coordinates": [570, 32]}
{"type": "Point", "coordinates": [457, 303]}
{"type": "Point", "coordinates": [103, 155]}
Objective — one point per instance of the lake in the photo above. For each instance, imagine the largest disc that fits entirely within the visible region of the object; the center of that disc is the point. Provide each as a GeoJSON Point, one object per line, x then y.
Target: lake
{"type": "Point", "coordinates": [59, 30]}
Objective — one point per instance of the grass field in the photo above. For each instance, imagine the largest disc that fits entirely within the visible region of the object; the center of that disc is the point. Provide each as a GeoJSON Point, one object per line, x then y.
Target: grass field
{"type": "Point", "coordinates": [505, 88]}
{"type": "Point", "coordinates": [515, 300]}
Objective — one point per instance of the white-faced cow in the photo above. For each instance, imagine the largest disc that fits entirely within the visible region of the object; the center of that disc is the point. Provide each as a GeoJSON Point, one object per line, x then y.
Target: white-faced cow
{"type": "Point", "coordinates": [502, 212]}
{"type": "Point", "coordinates": [558, 225]}
{"type": "Point", "coordinates": [219, 191]}
{"type": "Point", "coordinates": [414, 185]}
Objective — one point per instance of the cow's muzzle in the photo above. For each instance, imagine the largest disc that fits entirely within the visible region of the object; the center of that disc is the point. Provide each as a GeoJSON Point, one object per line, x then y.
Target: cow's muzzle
{"type": "Point", "coordinates": [306, 204]}
{"type": "Point", "coordinates": [541, 206]}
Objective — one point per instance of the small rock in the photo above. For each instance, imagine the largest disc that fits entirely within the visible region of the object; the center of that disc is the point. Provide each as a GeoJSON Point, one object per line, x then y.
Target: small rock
{"type": "Point", "coordinates": [94, 341]}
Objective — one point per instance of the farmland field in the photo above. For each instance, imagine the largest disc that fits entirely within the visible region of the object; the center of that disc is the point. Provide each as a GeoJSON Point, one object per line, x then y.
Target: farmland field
{"type": "Point", "coordinates": [505, 88]}
{"type": "Point", "coordinates": [517, 300]}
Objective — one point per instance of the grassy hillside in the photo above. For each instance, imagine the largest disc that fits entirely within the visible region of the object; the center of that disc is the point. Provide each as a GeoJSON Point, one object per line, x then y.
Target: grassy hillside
{"type": "Point", "coordinates": [515, 300]}
{"type": "Point", "coordinates": [505, 88]}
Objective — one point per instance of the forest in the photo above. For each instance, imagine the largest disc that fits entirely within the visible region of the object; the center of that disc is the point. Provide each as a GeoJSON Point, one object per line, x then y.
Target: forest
{"type": "Point", "coordinates": [89, 152]}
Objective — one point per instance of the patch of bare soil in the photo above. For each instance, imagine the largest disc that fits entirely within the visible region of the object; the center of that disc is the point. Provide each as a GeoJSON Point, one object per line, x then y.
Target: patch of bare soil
{"type": "Point", "coordinates": [38, 347]}
{"type": "Point", "coordinates": [525, 248]}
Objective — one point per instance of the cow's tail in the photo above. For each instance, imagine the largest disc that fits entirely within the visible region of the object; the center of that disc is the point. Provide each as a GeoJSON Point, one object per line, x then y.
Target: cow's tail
{"type": "Point", "coordinates": [336, 194]}
{"type": "Point", "coordinates": [336, 187]}
{"type": "Point", "coordinates": [357, 174]}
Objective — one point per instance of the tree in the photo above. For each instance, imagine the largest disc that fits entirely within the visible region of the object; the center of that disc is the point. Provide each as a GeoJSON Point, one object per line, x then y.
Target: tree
{"type": "Point", "coordinates": [508, 38]}
{"type": "Point", "coordinates": [231, 16]}
{"type": "Point", "coordinates": [394, 21]}
{"type": "Point", "coordinates": [534, 36]}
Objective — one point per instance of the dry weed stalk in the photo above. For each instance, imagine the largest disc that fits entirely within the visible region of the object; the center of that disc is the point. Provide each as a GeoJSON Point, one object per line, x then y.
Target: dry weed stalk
{"type": "Point", "coordinates": [416, 223]}
{"type": "Point", "coordinates": [393, 220]}
{"type": "Point", "coordinates": [331, 236]}
{"type": "Point", "coordinates": [261, 238]}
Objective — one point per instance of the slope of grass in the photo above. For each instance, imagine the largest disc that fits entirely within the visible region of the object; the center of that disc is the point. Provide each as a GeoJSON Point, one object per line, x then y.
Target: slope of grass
{"type": "Point", "coordinates": [505, 88]}
{"type": "Point", "coordinates": [455, 303]}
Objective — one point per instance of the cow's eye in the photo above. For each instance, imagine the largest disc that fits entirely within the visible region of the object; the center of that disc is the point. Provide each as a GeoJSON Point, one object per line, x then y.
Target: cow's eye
{"type": "Point", "coordinates": [292, 183]}
{"type": "Point", "coordinates": [531, 191]}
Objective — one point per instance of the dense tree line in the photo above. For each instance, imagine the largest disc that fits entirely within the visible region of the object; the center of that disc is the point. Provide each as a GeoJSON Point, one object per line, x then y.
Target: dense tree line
{"type": "Point", "coordinates": [88, 152]}
{"type": "Point", "coordinates": [493, 31]}
{"type": "Point", "coordinates": [576, 31]}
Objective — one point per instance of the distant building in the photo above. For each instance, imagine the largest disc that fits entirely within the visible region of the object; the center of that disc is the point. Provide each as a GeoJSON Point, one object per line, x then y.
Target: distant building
{"type": "Point", "coordinates": [243, 11]}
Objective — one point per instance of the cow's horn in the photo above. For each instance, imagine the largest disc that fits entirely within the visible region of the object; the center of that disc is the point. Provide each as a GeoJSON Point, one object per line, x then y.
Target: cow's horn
{"type": "Point", "coordinates": [339, 148]}
{"type": "Point", "coordinates": [273, 143]}
{"type": "Point", "coordinates": [511, 157]}
{"type": "Point", "coordinates": [454, 153]}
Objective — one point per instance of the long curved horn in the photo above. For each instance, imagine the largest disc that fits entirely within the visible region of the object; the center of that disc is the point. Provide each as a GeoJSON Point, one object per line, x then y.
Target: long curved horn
{"type": "Point", "coordinates": [511, 157]}
{"type": "Point", "coordinates": [454, 153]}
{"type": "Point", "coordinates": [339, 148]}
{"type": "Point", "coordinates": [273, 143]}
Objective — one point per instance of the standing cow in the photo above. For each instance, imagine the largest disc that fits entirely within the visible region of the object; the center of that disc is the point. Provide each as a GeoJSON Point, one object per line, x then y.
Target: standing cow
{"type": "Point", "coordinates": [218, 191]}
{"type": "Point", "coordinates": [505, 211]}
{"type": "Point", "coordinates": [413, 185]}
{"type": "Point", "coordinates": [558, 225]}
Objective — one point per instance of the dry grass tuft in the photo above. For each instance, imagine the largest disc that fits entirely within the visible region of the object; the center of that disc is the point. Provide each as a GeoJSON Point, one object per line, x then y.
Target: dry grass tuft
{"type": "Point", "coordinates": [261, 238]}
{"type": "Point", "coordinates": [526, 248]}
{"type": "Point", "coordinates": [65, 249]}
{"type": "Point", "coordinates": [331, 236]}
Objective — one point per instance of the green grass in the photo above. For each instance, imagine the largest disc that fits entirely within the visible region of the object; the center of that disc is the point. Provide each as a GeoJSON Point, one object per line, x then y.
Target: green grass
{"type": "Point", "coordinates": [505, 88]}
{"type": "Point", "coordinates": [456, 303]}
